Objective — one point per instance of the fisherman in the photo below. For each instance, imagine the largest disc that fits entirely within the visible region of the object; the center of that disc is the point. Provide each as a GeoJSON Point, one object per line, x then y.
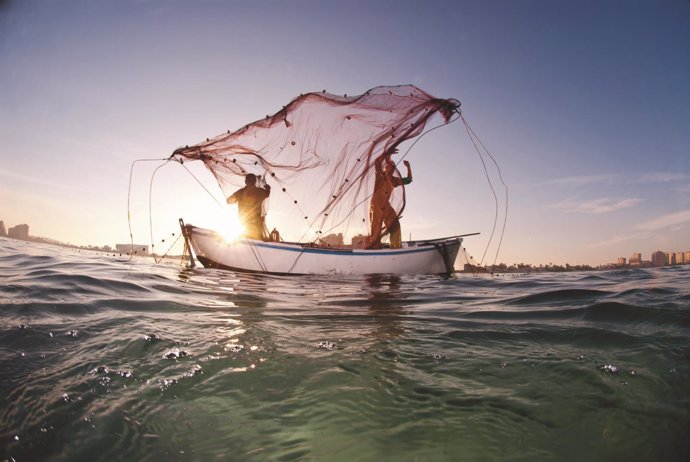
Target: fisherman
{"type": "Point", "coordinates": [249, 202]}
{"type": "Point", "coordinates": [381, 212]}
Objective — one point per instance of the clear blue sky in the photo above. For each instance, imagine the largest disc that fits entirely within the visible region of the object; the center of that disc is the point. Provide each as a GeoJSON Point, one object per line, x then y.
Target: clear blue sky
{"type": "Point", "coordinates": [585, 105]}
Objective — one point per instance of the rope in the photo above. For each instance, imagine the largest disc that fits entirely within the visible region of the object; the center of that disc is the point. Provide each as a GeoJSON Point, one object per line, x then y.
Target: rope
{"type": "Point", "coordinates": [294, 201]}
{"type": "Point", "coordinates": [129, 196]}
{"type": "Point", "coordinates": [475, 139]}
{"type": "Point", "coordinates": [473, 263]}
{"type": "Point", "coordinates": [150, 202]}
{"type": "Point", "coordinates": [167, 251]}
{"type": "Point", "coordinates": [202, 185]}
{"type": "Point", "coordinates": [294, 263]}
{"type": "Point", "coordinates": [500, 176]}
{"type": "Point", "coordinates": [153, 253]}
{"type": "Point", "coordinates": [258, 258]}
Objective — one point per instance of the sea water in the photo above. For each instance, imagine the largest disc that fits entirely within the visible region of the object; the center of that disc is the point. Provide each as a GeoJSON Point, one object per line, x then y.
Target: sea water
{"type": "Point", "coordinates": [103, 358]}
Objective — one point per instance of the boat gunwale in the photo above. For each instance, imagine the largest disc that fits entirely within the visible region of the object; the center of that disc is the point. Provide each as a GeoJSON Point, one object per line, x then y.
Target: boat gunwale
{"type": "Point", "coordinates": [427, 246]}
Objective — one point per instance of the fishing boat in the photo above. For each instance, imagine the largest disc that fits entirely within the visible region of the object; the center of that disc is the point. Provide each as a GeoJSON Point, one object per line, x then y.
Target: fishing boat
{"type": "Point", "coordinates": [323, 156]}
{"type": "Point", "coordinates": [213, 250]}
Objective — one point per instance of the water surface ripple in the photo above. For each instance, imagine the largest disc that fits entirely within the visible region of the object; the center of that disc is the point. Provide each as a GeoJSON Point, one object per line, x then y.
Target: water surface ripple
{"type": "Point", "coordinates": [106, 359]}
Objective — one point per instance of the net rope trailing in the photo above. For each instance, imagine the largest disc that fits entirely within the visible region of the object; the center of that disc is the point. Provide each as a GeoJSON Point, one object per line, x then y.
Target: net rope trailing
{"type": "Point", "coordinates": [318, 154]}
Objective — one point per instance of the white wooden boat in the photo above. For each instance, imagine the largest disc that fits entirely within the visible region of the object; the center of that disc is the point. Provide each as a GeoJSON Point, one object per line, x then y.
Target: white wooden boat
{"type": "Point", "coordinates": [435, 256]}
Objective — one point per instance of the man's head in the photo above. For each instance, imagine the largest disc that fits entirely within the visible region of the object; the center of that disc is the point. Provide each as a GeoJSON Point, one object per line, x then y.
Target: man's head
{"type": "Point", "coordinates": [250, 179]}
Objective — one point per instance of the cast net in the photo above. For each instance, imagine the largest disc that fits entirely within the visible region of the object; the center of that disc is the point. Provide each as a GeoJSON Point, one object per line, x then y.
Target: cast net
{"type": "Point", "coordinates": [318, 154]}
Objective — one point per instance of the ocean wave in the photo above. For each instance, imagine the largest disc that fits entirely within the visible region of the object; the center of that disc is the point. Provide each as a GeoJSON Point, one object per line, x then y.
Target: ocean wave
{"type": "Point", "coordinates": [103, 358]}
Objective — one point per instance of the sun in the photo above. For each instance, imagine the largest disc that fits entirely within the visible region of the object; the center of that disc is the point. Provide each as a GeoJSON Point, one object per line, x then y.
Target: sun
{"type": "Point", "coordinates": [225, 222]}
{"type": "Point", "coordinates": [232, 228]}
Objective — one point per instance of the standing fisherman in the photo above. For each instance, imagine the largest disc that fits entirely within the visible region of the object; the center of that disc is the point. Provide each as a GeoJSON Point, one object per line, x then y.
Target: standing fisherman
{"type": "Point", "coordinates": [381, 212]}
{"type": "Point", "coordinates": [249, 202]}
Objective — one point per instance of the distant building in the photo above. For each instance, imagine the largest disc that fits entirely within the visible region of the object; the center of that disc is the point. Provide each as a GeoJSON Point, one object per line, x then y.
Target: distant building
{"type": "Point", "coordinates": [132, 249]}
{"type": "Point", "coordinates": [19, 232]}
{"type": "Point", "coordinates": [680, 258]}
{"type": "Point", "coordinates": [687, 257]}
{"type": "Point", "coordinates": [359, 241]}
{"type": "Point", "coordinates": [3, 233]}
{"type": "Point", "coordinates": [469, 268]}
{"type": "Point", "coordinates": [636, 259]}
{"type": "Point", "coordinates": [659, 258]}
{"type": "Point", "coordinates": [334, 240]}
{"type": "Point", "coordinates": [671, 258]}
{"type": "Point", "coordinates": [621, 261]}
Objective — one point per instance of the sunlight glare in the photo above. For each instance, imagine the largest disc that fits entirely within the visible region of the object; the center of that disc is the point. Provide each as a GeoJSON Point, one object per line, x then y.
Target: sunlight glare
{"type": "Point", "coordinates": [232, 228]}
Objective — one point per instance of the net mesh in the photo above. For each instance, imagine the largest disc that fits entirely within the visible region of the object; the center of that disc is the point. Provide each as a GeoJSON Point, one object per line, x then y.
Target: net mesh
{"type": "Point", "coordinates": [318, 153]}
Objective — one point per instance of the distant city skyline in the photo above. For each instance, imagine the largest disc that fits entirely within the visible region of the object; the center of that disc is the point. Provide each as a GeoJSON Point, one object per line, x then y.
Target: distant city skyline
{"type": "Point", "coordinates": [657, 258]}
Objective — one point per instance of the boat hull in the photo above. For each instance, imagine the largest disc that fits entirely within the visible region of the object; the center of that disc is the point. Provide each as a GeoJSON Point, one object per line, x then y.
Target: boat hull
{"type": "Point", "coordinates": [428, 257]}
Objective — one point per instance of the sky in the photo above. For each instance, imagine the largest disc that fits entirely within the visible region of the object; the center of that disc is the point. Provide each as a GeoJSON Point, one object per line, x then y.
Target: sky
{"type": "Point", "coordinates": [585, 106]}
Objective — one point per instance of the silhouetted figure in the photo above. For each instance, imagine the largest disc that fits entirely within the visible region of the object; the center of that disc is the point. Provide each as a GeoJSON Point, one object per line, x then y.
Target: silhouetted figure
{"type": "Point", "coordinates": [249, 201]}
{"type": "Point", "coordinates": [381, 212]}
